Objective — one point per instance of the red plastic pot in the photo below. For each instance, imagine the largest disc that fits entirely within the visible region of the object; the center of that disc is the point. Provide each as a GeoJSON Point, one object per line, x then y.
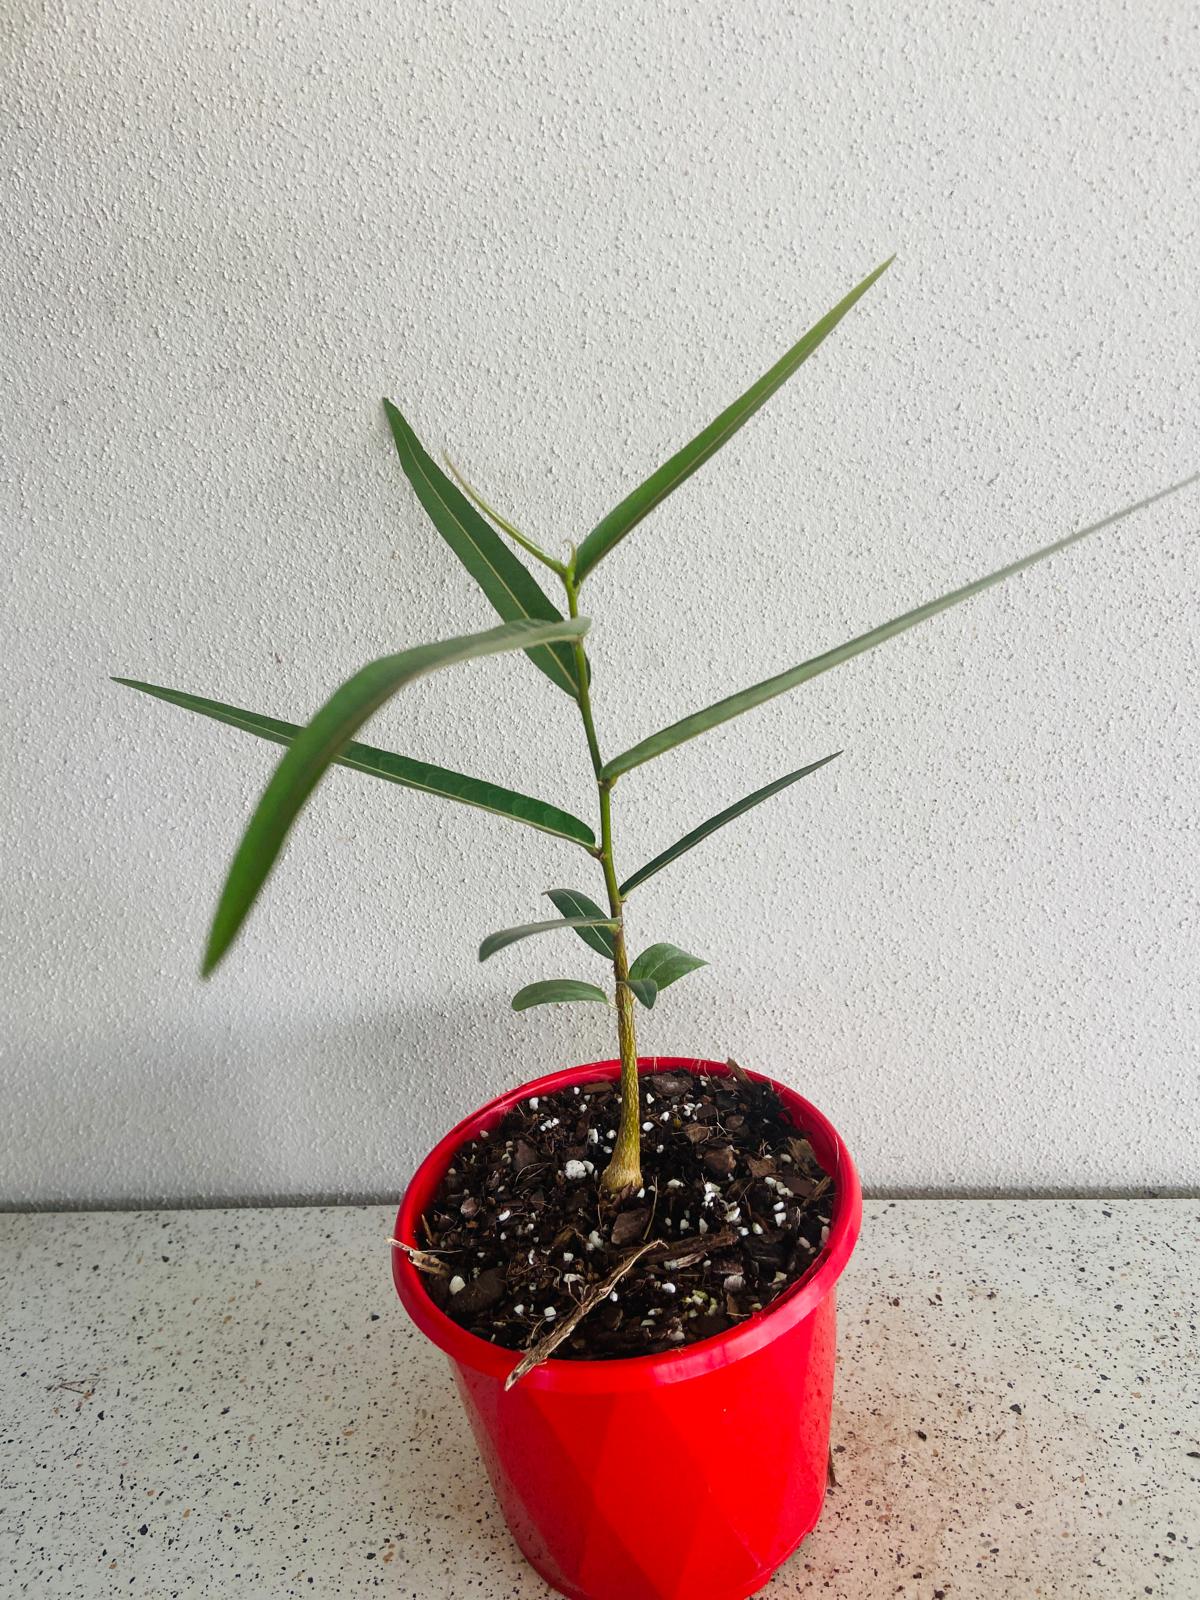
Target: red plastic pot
{"type": "Point", "coordinates": [686, 1476]}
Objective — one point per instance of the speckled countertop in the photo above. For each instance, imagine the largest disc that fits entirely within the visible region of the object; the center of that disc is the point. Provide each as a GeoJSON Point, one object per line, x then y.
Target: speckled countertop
{"type": "Point", "coordinates": [233, 1402]}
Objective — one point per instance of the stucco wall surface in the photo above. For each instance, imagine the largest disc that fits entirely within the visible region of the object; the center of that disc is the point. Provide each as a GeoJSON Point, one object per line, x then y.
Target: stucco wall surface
{"type": "Point", "coordinates": [563, 236]}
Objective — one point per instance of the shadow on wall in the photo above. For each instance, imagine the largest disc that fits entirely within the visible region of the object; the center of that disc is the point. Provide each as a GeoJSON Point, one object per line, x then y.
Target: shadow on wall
{"type": "Point", "coordinates": [318, 1110]}
{"type": "Point", "coordinates": [296, 1110]}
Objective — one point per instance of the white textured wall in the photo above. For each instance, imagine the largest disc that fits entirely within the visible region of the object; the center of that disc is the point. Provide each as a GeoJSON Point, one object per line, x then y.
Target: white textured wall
{"type": "Point", "coordinates": [563, 236]}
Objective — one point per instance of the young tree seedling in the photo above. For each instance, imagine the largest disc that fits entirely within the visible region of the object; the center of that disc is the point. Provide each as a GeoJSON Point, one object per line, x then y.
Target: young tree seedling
{"type": "Point", "coordinates": [532, 622]}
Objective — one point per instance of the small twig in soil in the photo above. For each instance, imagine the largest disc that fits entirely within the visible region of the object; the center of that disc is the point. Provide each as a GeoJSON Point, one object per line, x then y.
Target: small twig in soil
{"type": "Point", "coordinates": [421, 1259]}
{"type": "Point", "coordinates": [564, 1329]}
{"type": "Point", "coordinates": [653, 1209]}
{"type": "Point", "coordinates": [833, 1483]}
{"type": "Point", "coordinates": [673, 1257]}
{"type": "Point", "coordinates": [739, 1073]}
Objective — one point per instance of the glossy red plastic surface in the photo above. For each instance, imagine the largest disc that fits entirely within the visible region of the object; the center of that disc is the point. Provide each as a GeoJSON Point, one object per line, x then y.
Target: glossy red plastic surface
{"type": "Point", "coordinates": [686, 1476]}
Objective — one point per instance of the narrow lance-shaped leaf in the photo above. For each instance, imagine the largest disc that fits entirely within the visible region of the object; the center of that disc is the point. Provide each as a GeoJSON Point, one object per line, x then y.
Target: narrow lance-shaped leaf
{"type": "Point", "coordinates": [501, 521]}
{"type": "Point", "coordinates": [504, 579]}
{"type": "Point", "coordinates": [746, 699]}
{"type": "Point", "coordinates": [410, 774]}
{"type": "Point", "coordinates": [663, 964]}
{"type": "Point", "coordinates": [611, 529]}
{"type": "Point", "coordinates": [552, 990]}
{"type": "Point", "coordinates": [318, 745]}
{"type": "Point", "coordinates": [690, 840]}
{"type": "Point", "coordinates": [575, 906]}
{"type": "Point", "coordinates": [527, 930]}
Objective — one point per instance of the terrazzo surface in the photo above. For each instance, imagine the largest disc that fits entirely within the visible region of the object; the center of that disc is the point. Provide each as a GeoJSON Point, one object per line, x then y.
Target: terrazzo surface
{"type": "Point", "coordinates": [233, 1402]}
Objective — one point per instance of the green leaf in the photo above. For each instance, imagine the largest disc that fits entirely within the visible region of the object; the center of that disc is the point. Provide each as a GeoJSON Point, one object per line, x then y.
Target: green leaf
{"type": "Point", "coordinates": [419, 775]}
{"type": "Point", "coordinates": [526, 930]}
{"type": "Point", "coordinates": [663, 964]}
{"type": "Point", "coordinates": [690, 840]}
{"type": "Point", "coordinates": [326, 737]}
{"type": "Point", "coordinates": [611, 529]}
{"type": "Point", "coordinates": [746, 699]}
{"type": "Point", "coordinates": [574, 905]}
{"type": "Point", "coordinates": [504, 579]}
{"type": "Point", "coordinates": [551, 990]}
{"type": "Point", "coordinates": [645, 990]}
{"type": "Point", "coordinates": [502, 522]}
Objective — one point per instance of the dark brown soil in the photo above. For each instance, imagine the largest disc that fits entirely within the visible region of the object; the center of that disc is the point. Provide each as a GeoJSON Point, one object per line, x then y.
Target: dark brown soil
{"type": "Point", "coordinates": [732, 1191]}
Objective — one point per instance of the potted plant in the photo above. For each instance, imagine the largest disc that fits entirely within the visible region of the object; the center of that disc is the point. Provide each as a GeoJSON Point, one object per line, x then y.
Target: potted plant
{"type": "Point", "coordinates": [631, 1264]}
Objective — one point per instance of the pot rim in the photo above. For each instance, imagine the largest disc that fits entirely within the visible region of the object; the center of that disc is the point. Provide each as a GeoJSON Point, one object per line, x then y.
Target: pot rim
{"type": "Point", "coordinates": [629, 1372]}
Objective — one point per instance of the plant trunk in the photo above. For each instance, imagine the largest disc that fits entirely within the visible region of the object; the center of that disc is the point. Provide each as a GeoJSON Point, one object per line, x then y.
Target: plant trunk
{"type": "Point", "coordinates": [623, 1175]}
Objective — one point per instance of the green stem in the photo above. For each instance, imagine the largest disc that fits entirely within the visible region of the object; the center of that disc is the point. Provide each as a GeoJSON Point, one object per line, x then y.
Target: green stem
{"type": "Point", "coordinates": [623, 1175]}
